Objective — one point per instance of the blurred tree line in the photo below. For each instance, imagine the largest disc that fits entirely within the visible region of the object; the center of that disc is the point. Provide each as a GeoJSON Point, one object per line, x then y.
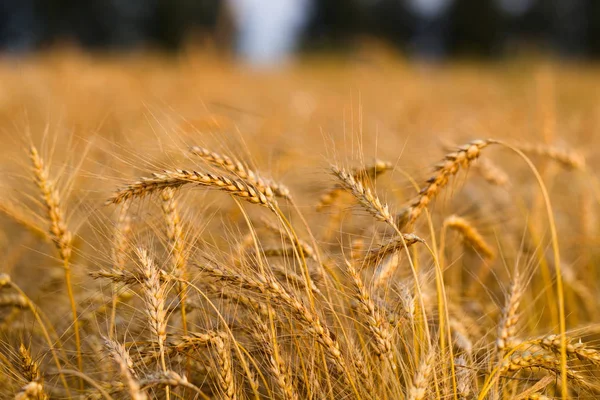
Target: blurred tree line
{"type": "Point", "coordinates": [483, 27]}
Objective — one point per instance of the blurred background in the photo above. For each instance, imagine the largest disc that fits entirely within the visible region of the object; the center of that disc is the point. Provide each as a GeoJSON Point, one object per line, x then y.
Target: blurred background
{"type": "Point", "coordinates": [268, 32]}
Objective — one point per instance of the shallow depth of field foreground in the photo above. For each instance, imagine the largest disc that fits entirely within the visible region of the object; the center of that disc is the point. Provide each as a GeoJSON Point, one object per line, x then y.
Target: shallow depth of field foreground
{"type": "Point", "coordinates": [367, 229]}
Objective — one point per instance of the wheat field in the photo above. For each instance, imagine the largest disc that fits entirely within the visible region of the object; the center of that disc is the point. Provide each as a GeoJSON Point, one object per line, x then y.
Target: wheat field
{"type": "Point", "coordinates": [184, 228]}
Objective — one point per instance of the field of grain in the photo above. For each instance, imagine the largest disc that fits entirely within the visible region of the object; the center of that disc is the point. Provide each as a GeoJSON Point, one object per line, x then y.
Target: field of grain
{"type": "Point", "coordinates": [185, 228]}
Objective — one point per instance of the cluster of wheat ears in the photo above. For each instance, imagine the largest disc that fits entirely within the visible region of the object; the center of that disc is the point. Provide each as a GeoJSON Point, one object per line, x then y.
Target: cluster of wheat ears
{"type": "Point", "coordinates": [183, 229]}
{"type": "Point", "coordinates": [378, 306]}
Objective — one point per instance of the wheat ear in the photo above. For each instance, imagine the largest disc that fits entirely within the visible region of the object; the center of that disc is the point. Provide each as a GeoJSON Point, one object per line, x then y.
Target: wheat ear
{"type": "Point", "coordinates": [60, 234]}
{"type": "Point", "coordinates": [170, 378]}
{"type": "Point", "coordinates": [377, 254]}
{"type": "Point", "coordinates": [567, 158]}
{"type": "Point", "coordinates": [418, 388]}
{"type": "Point", "coordinates": [491, 172]}
{"type": "Point", "coordinates": [363, 195]}
{"type": "Point", "coordinates": [31, 372]}
{"type": "Point", "coordinates": [221, 345]}
{"type": "Point", "coordinates": [178, 178]}
{"type": "Point", "coordinates": [279, 369]}
{"type": "Point", "coordinates": [19, 215]}
{"type": "Point", "coordinates": [121, 356]}
{"type": "Point", "coordinates": [374, 319]}
{"type": "Point", "coordinates": [236, 167]}
{"type": "Point", "coordinates": [452, 163]}
{"type": "Point", "coordinates": [578, 350]}
{"type": "Point", "coordinates": [470, 234]}
{"type": "Point", "coordinates": [536, 357]}
{"type": "Point", "coordinates": [369, 172]}
{"type": "Point", "coordinates": [32, 391]}
{"type": "Point", "coordinates": [506, 337]}
{"type": "Point", "coordinates": [155, 294]}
